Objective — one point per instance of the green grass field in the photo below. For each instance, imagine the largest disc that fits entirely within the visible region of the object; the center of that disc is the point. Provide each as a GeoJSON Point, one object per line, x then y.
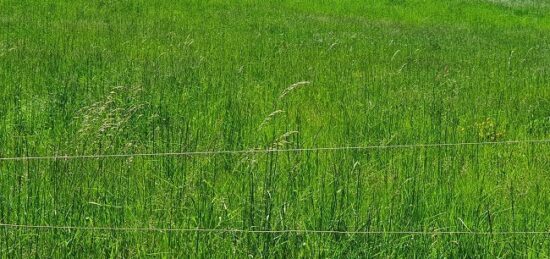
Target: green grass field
{"type": "Point", "coordinates": [108, 77]}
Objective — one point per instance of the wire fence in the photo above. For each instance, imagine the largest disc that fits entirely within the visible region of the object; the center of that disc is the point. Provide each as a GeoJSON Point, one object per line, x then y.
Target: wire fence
{"type": "Point", "coordinates": [285, 231]}
{"type": "Point", "coordinates": [271, 150]}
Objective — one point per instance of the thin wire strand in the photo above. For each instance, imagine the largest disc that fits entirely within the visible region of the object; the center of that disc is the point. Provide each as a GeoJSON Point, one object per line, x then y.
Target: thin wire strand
{"type": "Point", "coordinates": [286, 231]}
{"type": "Point", "coordinates": [255, 151]}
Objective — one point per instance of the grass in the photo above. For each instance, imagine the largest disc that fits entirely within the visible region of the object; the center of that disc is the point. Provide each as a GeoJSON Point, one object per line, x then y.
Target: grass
{"type": "Point", "coordinates": [119, 77]}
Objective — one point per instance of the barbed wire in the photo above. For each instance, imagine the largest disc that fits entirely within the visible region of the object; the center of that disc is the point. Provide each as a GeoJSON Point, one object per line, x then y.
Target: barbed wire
{"type": "Point", "coordinates": [271, 150]}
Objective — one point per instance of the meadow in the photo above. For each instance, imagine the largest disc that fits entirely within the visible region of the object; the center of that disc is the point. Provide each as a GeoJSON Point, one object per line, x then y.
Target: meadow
{"type": "Point", "coordinates": [91, 80]}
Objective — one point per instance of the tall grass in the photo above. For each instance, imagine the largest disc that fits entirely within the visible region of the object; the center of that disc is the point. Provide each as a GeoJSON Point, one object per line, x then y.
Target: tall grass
{"type": "Point", "coordinates": [112, 77]}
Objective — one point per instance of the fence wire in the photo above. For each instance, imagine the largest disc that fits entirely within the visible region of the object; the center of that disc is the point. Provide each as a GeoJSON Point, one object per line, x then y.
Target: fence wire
{"type": "Point", "coordinates": [285, 231]}
{"type": "Point", "coordinates": [270, 150]}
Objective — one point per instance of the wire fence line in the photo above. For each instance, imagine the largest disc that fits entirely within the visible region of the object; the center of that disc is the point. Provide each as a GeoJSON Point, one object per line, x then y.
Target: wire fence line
{"type": "Point", "coordinates": [272, 150]}
{"type": "Point", "coordinates": [285, 231]}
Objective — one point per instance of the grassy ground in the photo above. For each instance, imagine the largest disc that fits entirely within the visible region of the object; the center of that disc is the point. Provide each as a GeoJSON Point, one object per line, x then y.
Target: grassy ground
{"type": "Point", "coordinates": [112, 77]}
